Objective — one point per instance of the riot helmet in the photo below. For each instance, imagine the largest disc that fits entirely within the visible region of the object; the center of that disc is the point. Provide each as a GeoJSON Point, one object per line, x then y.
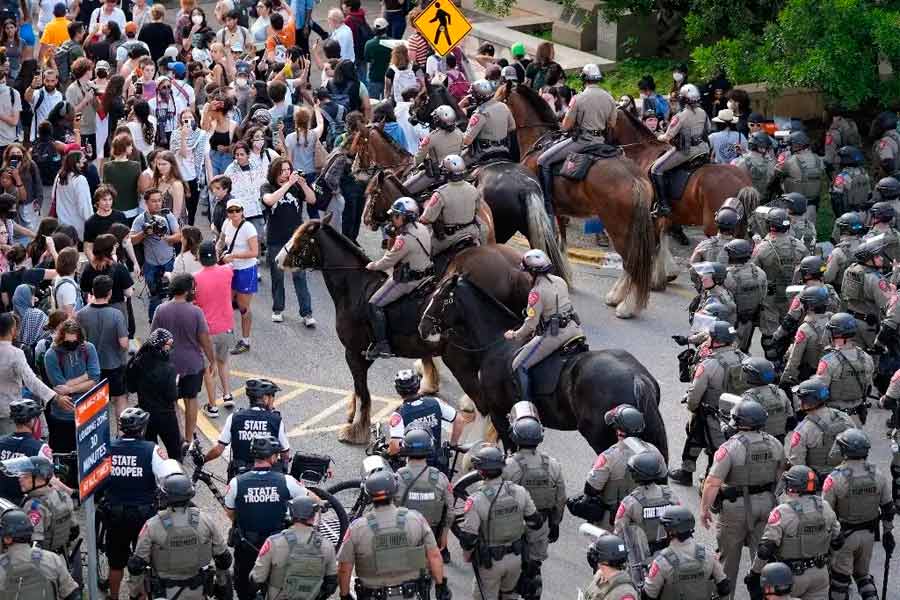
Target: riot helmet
{"type": "Point", "coordinates": [853, 443]}
{"type": "Point", "coordinates": [812, 393]}
{"type": "Point", "coordinates": [264, 447]}
{"type": "Point", "coordinates": [406, 208]}
{"type": "Point", "coordinates": [842, 325]}
{"type": "Point", "coordinates": [607, 550]}
{"type": "Point", "coordinates": [177, 489]}
{"type": "Point", "coordinates": [726, 219]}
{"type": "Point", "coordinates": [527, 432]}
{"type": "Point", "coordinates": [812, 267]}
{"type": "Point", "coordinates": [776, 579]}
{"type": "Point", "coordinates": [758, 371]}
{"type": "Point", "coordinates": [849, 223]}
{"type": "Point", "coordinates": [677, 520]}
{"type": "Point", "coordinates": [738, 251]}
{"type": "Point", "coordinates": [381, 486]}
{"type": "Point", "coordinates": [795, 202]}
{"type": "Point", "coordinates": [417, 443]}
{"type": "Point", "coordinates": [535, 262]}
{"type": "Point", "coordinates": [721, 333]}
{"type": "Point", "coordinates": [15, 524]}
{"type": "Point", "coordinates": [625, 418]}
{"type": "Point", "coordinates": [748, 414]}
{"type": "Point", "coordinates": [882, 212]}
{"type": "Point", "coordinates": [815, 298]}
{"type": "Point", "coordinates": [888, 188]}
{"type": "Point", "coordinates": [646, 468]}
{"type": "Point", "coordinates": [302, 509]}
{"type": "Point", "coordinates": [777, 219]}
{"type": "Point", "coordinates": [801, 479]}
{"type": "Point", "coordinates": [489, 461]}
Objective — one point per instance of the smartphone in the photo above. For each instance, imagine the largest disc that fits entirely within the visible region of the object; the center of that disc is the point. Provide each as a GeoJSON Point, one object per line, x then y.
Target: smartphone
{"type": "Point", "coordinates": [139, 88]}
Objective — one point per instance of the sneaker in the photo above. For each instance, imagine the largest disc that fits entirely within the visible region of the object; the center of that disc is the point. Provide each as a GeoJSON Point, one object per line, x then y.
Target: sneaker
{"type": "Point", "coordinates": [277, 318]}
{"type": "Point", "coordinates": [241, 347]}
{"type": "Point", "coordinates": [309, 321]}
{"type": "Point", "coordinates": [211, 411]}
{"type": "Point", "coordinates": [445, 555]}
{"type": "Point", "coordinates": [681, 477]}
{"type": "Point", "coordinates": [228, 401]}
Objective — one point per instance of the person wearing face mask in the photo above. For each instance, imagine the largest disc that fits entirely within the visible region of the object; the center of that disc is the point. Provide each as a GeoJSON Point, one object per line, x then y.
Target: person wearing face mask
{"type": "Point", "coordinates": [43, 95]}
{"type": "Point", "coordinates": [190, 145]}
{"type": "Point", "coordinates": [679, 78]}
{"type": "Point", "coordinates": [162, 106]}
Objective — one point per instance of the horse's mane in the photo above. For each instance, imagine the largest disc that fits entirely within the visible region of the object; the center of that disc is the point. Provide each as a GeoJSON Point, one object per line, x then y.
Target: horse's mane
{"type": "Point", "coordinates": [486, 297]}
{"type": "Point", "coordinates": [539, 105]}
{"type": "Point", "coordinates": [336, 236]}
{"type": "Point", "coordinates": [389, 140]}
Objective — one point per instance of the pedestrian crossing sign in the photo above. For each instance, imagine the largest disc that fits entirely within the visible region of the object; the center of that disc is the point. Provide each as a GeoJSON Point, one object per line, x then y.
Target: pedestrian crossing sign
{"type": "Point", "coordinates": [443, 25]}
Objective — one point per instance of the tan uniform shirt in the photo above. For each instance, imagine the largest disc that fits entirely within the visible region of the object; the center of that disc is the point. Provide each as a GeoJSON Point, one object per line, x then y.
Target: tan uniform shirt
{"type": "Point", "coordinates": [837, 485]}
{"type": "Point", "coordinates": [533, 458]}
{"type": "Point", "coordinates": [548, 297]}
{"type": "Point", "coordinates": [839, 259]}
{"type": "Point", "coordinates": [848, 373]}
{"type": "Point", "coordinates": [803, 172]}
{"type": "Point", "coordinates": [594, 111]}
{"type": "Point", "coordinates": [783, 521]}
{"type": "Point", "coordinates": [806, 351]}
{"type": "Point", "coordinates": [52, 566]}
{"type": "Point", "coordinates": [618, 587]}
{"type": "Point", "coordinates": [734, 454]}
{"type": "Point", "coordinates": [37, 504]}
{"type": "Point", "coordinates": [691, 123]}
{"type": "Point", "coordinates": [454, 203]}
{"type": "Point", "coordinates": [611, 464]}
{"type": "Point", "coordinates": [888, 148]}
{"type": "Point", "coordinates": [712, 249]}
{"type": "Point", "coordinates": [438, 144]}
{"type": "Point", "coordinates": [492, 122]}
{"type": "Point", "coordinates": [413, 246]}
{"type": "Point", "coordinates": [843, 132]}
{"type": "Point", "coordinates": [478, 505]}
{"type": "Point", "coordinates": [709, 379]}
{"type": "Point", "coordinates": [807, 435]}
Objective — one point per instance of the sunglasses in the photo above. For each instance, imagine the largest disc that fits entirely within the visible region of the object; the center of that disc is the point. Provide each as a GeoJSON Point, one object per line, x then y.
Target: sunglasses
{"type": "Point", "coordinates": [234, 210]}
{"type": "Point", "coordinates": [15, 157]}
{"type": "Point", "coordinates": [164, 88]}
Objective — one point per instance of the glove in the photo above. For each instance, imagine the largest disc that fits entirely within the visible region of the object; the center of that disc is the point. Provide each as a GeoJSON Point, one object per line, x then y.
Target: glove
{"type": "Point", "coordinates": [681, 340]}
{"type": "Point", "coordinates": [199, 460]}
{"type": "Point", "coordinates": [887, 540]}
{"type": "Point", "coordinates": [838, 542]}
{"type": "Point", "coordinates": [441, 591]}
{"type": "Point", "coordinates": [347, 597]}
{"type": "Point", "coordinates": [754, 585]}
{"type": "Point", "coordinates": [74, 532]}
{"type": "Point", "coordinates": [554, 534]}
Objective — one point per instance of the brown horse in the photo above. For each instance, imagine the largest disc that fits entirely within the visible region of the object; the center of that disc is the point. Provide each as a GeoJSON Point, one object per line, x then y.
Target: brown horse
{"type": "Point", "coordinates": [375, 150]}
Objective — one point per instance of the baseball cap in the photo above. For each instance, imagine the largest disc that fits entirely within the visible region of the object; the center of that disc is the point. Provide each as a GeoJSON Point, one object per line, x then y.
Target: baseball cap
{"type": "Point", "coordinates": [242, 67]}
{"type": "Point", "coordinates": [380, 23]}
{"type": "Point", "coordinates": [178, 68]}
{"type": "Point", "coordinates": [756, 118]}
{"type": "Point", "coordinates": [234, 202]}
{"type": "Point", "coordinates": [131, 27]}
{"type": "Point", "coordinates": [171, 52]}
{"type": "Point", "coordinates": [207, 253]}
{"type": "Point", "coordinates": [102, 65]}
{"type": "Point", "coordinates": [517, 50]}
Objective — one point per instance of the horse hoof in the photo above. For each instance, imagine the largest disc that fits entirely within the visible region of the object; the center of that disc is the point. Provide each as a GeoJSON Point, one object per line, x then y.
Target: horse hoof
{"type": "Point", "coordinates": [611, 300]}
{"type": "Point", "coordinates": [354, 435]}
{"type": "Point", "coordinates": [624, 314]}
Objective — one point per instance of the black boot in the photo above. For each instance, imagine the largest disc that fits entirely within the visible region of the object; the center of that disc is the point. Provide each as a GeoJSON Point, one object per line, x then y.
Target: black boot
{"type": "Point", "coordinates": [663, 208]}
{"type": "Point", "coordinates": [382, 347]}
{"type": "Point", "coordinates": [681, 476]}
{"type": "Point", "coordinates": [523, 384]}
{"type": "Point", "coordinates": [546, 177]}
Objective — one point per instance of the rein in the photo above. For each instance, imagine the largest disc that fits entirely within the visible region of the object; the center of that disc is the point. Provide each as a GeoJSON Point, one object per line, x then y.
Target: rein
{"type": "Point", "coordinates": [473, 350]}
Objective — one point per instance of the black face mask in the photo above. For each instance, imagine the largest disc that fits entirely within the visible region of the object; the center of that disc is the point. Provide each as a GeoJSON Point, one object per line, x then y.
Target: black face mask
{"type": "Point", "coordinates": [70, 346]}
{"type": "Point", "coordinates": [190, 296]}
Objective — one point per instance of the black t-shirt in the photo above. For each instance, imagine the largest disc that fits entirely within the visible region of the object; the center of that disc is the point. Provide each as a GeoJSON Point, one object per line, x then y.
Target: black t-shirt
{"type": "Point", "coordinates": [158, 37]}
{"type": "Point", "coordinates": [121, 280]}
{"type": "Point", "coordinates": [10, 280]}
{"type": "Point", "coordinates": [97, 225]}
{"type": "Point", "coordinates": [286, 215]}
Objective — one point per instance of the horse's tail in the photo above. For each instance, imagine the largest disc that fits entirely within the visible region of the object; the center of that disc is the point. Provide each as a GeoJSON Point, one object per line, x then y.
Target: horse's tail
{"type": "Point", "coordinates": [541, 234]}
{"type": "Point", "coordinates": [646, 398]}
{"type": "Point", "coordinates": [638, 259]}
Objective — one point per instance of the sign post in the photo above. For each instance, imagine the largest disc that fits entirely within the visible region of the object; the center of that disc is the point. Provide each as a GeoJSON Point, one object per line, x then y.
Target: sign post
{"type": "Point", "coordinates": [443, 25]}
{"type": "Point", "coordinates": [94, 464]}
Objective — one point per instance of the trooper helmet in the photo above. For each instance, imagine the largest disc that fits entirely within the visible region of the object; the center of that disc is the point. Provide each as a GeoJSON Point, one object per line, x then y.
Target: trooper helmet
{"type": "Point", "coordinates": [870, 248]}
{"type": "Point", "coordinates": [885, 121]}
{"type": "Point", "coordinates": [726, 219]}
{"type": "Point", "coordinates": [607, 550]}
{"type": "Point", "coordinates": [36, 466]}
{"type": "Point", "coordinates": [646, 467]}
{"type": "Point", "coordinates": [677, 519]}
{"type": "Point", "coordinates": [489, 461]}
{"type": "Point", "coordinates": [381, 486]}
{"type": "Point", "coordinates": [812, 393]}
{"type": "Point", "coordinates": [302, 509]}
{"type": "Point", "coordinates": [17, 525]}
{"type": "Point", "coordinates": [850, 156]}
{"type": "Point", "coordinates": [716, 271]}
{"type": "Point", "coordinates": [527, 432]}
{"type": "Point", "coordinates": [850, 223]}
{"type": "Point", "coordinates": [406, 208]}
{"type": "Point", "coordinates": [417, 443]}
{"type": "Point", "coordinates": [758, 371]}
{"type": "Point", "coordinates": [716, 310]}
{"type": "Point", "coordinates": [799, 138]}
{"type": "Point", "coordinates": [257, 389]}
{"type": "Point", "coordinates": [591, 73]}
{"type": "Point", "coordinates": [23, 410]}
{"type": "Point", "coordinates": [689, 93]}
{"type": "Point", "coordinates": [748, 414]}
{"type": "Point", "coordinates": [801, 479]}
{"type": "Point", "coordinates": [264, 447]}
{"type": "Point", "coordinates": [795, 202]}
{"type": "Point", "coordinates": [625, 418]}
{"type": "Point", "coordinates": [882, 212]}
{"type": "Point", "coordinates": [814, 297]}
{"type": "Point", "coordinates": [406, 382]}
{"type": "Point", "coordinates": [133, 421]}
{"type": "Point", "coordinates": [853, 443]}
{"type": "Point", "coordinates": [738, 250]}
{"type": "Point", "coordinates": [841, 325]}
{"type": "Point", "coordinates": [721, 332]}
{"type": "Point", "coordinates": [482, 89]}
{"type": "Point", "coordinates": [444, 117]}
{"type": "Point", "coordinates": [454, 166]}
{"type": "Point", "coordinates": [759, 140]}
{"type": "Point", "coordinates": [776, 579]}
{"type": "Point", "coordinates": [536, 261]}
{"type": "Point", "coordinates": [176, 489]}
{"type": "Point", "coordinates": [777, 220]}
{"type": "Point", "coordinates": [888, 188]}
{"type": "Point", "coordinates": [812, 267]}
{"type": "Point", "coordinates": [508, 73]}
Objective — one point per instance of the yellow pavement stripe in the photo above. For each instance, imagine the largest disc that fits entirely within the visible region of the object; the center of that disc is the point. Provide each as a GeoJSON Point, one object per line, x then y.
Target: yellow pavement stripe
{"type": "Point", "coordinates": [206, 427]}
{"type": "Point", "coordinates": [322, 415]}
{"type": "Point", "coordinates": [282, 398]}
{"type": "Point", "coordinates": [377, 417]}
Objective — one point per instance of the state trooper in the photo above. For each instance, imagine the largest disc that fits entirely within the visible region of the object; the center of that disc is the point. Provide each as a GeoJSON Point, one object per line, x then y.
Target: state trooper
{"type": "Point", "coordinates": [748, 285]}
{"type": "Point", "coordinates": [24, 413]}
{"type": "Point", "coordinates": [444, 139]}
{"type": "Point", "coordinates": [550, 320]}
{"type": "Point", "coordinates": [256, 502]}
{"type": "Point", "coordinates": [408, 261]}
{"type": "Point", "coordinates": [259, 419]}
{"type": "Point", "coordinates": [644, 506]}
{"type": "Point", "coordinates": [718, 372]}
{"type": "Point", "coordinates": [392, 549]}
{"type": "Point", "coordinates": [888, 190]}
{"type": "Point", "coordinates": [452, 210]}
{"type": "Point", "coordinates": [759, 374]}
{"type": "Point", "coordinates": [801, 227]}
{"type": "Point", "coordinates": [590, 118]}
{"type": "Point", "coordinates": [882, 215]}
{"type": "Point", "coordinates": [607, 557]}
{"type": "Point", "coordinates": [841, 132]}
{"type": "Point", "coordinates": [609, 480]}
{"type": "Point", "coordinates": [129, 495]}
{"type": "Point", "coordinates": [688, 131]}
{"type": "Point", "coordinates": [709, 281]}
{"type": "Point", "coordinates": [489, 127]}
{"type": "Point", "coordinates": [758, 162]}
{"type": "Point", "coordinates": [705, 315]}
{"type": "Point", "coordinates": [861, 496]}
{"type": "Point", "coordinates": [803, 355]}
{"type": "Point", "coordinates": [813, 438]}
{"type": "Point", "coordinates": [802, 171]}
{"type": "Point", "coordinates": [740, 486]}
{"type": "Point", "coordinates": [851, 187]}
{"type": "Point", "coordinates": [846, 369]}
{"type": "Point", "coordinates": [810, 274]}
{"type": "Point", "coordinates": [50, 508]}
{"type": "Point", "coordinates": [850, 229]}
{"type": "Point", "coordinates": [425, 411]}
{"type": "Point", "coordinates": [178, 544]}
{"type": "Point", "coordinates": [866, 290]}
{"type": "Point", "coordinates": [684, 570]}
{"type": "Point", "coordinates": [713, 249]}
{"type": "Point", "coordinates": [800, 532]}
{"type": "Point", "coordinates": [497, 528]}
{"type": "Point", "coordinates": [778, 255]}
{"type": "Point", "coordinates": [887, 143]}
{"type": "Point", "coordinates": [30, 572]}
{"type": "Point", "coordinates": [540, 474]}
{"type": "Point", "coordinates": [424, 488]}
{"type": "Point", "coordinates": [297, 563]}
{"type": "Point", "coordinates": [777, 581]}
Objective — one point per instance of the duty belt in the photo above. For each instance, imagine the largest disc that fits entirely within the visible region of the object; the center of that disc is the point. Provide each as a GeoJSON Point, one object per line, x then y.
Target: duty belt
{"type": "Point", "coordinates": [733, 492]}
{"type": "Point", "coordinates": [191, 583]}
{"type": "Point", "coordinates": [870, 320]}
{"type": "Point", "coordinates": [492, 143]}
{"type": "Point", "coordinates": [498, 552]}
{"type": "Point", "coordinates": [864, 526]}
{"type": "Point", "coordinates": [697, 140]}
{"type": "Point", "coordinates": [595, 132]}
{"type": "Point", "coordinates": [564, 321]}
{"type": "Point", "coordinates": [859, 409]}
{"type": "Point", "coordinates": [800, 565]}
{"type": "Point", "coordinates": [451, 229]}
{"type": "Point", "coordinates": [407, 589]}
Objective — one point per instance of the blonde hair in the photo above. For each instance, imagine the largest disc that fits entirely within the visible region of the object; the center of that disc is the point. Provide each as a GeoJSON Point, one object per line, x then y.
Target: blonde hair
{"type": "Point", "coordinates": [302, 117]}
{"type": "Point", "coordinates": [157, 12]}
{"type": "Point", "coordinates": [400, 56]}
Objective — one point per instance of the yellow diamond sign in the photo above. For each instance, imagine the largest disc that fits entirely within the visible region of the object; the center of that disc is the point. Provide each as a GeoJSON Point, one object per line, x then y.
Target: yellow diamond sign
{"type": "Point", "coordinates": [443, 25]}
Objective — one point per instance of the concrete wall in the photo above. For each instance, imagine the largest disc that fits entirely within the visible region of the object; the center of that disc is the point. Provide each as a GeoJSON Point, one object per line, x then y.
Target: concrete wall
{"type": "Point", "coordinates": [801, 103]}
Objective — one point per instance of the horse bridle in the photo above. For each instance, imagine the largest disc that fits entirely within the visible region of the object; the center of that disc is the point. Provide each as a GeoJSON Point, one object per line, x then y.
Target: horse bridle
{"type": "Point", "coordinates": [437, 325]}
{"type": "Point", "coordinates": [301, 259]}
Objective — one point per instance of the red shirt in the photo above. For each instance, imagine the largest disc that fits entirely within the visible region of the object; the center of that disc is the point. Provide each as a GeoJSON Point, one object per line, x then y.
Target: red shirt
{"type": "Point", "coordinates": [214, 297]}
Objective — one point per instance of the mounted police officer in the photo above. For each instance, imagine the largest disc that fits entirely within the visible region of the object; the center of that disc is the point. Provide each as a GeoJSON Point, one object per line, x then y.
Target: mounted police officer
{"type": "Point", "coordinates": [777, 581]}
{"type": "Point", "coordinates": [607, 557]}
{"type": "Point", "coordinates": [609, 480]}
{"type": "Point", "coordinates": [883, 214]}
{"type": "Point", "coordinates": [850, 229]}
{"type": "Point", "coordinates": [811, 339]}
{"type": "Point", "coordinates": [684, 570]}
{"type": "Point", "coordinates": [713, 249]}
{"type": "Point", "coordinates": [408, 261]}
{"type": "Point", "coordinates": [489, 127]}
{"type": "Point", "coordinates": [748, 285]}
{"type": "Point", "coordinates": [28, 572]}
{"type": "Point", "coordinates": [550, 319]}
{"type": "Point", "coordinates": [24, 413]}
{"type": "Point", "coordinates": [591, 116]}
{"type": "Point", "coordinates": [256, 503]}
{"type": "Point", "coordinates": [841, 133]}
{"type": "Point", "coordinates": [645, 505]}
{"type": "Point", "coordinates": [759, 374]}
{"type": "Point", "coordinates": [801, 227]}
{"type": "Point", "coordinates": [758, 162]}
{"type": "Point", "coordinates": [424, 488]}
{"type": "Point", "coordinates": [452, 210]}
{"type": "Point", "coordinates": [866, 290]}
{"type": "Point", "coordinates": [177, 545]}
{"type": "Point", "coordinates": [811, 441]}
{"type": "Point", "coordinates": [709, 281]}
{"type": "Point", "coordinates": [887, 143]}
{"type": "Point", "coordinates": [444, 139]}
{"type": "Point", "coordinates": [129, 496]}
{"type": "Point", "coordinates": [297, 563]}
{"type": "Point", "coordinates": [259, 420]}
{"type": "Point", "coordinates": [861, 496]}
{"type": "Point", "coordinates": [392, 549]}
{"type": "Point", "coordinates": [496, 532]}
{"type": "Point", "coordinates": [717, 372]}
{"type": "Point", "coordinates": [539, 473]}
{"type": "Point", "coordinates": [802, 171]}
{"type": "Point", "coordinates": [688, 131]}
{"type": "Point", "coordinates": [800, 532]}
{"type": "Point", "coordinates": [846, 369]}
{"type": "Point", "coordinates": [851, 187]}
{"type": "Point", "coordinates": [778, 255]}
{"type": "Point", "coordinates": [426, 412]}
{"type": "Point", "coordinates": [740, 486]}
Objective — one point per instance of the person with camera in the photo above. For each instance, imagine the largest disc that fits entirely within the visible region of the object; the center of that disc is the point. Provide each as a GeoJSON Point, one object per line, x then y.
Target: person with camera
{"type": "Point", "coordinates": [238, 245]}
{"type": "Point", "coordinates": [82, 94]}
{"type": "Point", "coordinates": [28, 188]}
{"type": "Point", "coordinates": [158, 232]}
{"type": "Point", "coordinates": [43, 94]}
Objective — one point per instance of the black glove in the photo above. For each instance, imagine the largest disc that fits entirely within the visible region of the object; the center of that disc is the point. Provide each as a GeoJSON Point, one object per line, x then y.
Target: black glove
{"type": "Point", "coordinates": [887, 540]}
{"type": "Point", "coordinates": [347, 597]}
{"type": "Point", "coordinates": [554, 534]}
{"type": "Point", "coordinates": [838, 542]}
{"type": "Point", "coordinates": [754, 585]}
{"type": "Point", "coordinates": [199, 459]}
{"type": "Point", "coordinates": [74, 532]}
{"type": "Point", "coordinates": [442, 591]}
{"type": "Point", "coordinates": [681, 340]}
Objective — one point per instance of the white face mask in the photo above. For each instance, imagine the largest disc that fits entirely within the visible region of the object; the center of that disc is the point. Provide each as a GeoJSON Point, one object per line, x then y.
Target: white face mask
{"type": "Point", "coordinates": [732, 105]}
{"type": "Point", "coordinates": [678, 77]}
{"type": "Point", "coordinates": [196, 19]}
{"type": "Point", "coordinates": [241, 82]}
{"type": "Point", "coordinates": [259, 145]}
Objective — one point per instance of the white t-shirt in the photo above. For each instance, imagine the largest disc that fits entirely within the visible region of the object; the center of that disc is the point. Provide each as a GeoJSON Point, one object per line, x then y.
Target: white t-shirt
{"type": "Point", "coordinates": [225, 436]}
{"type": "Point", "coordinates": [137, 134]}
{"type": "Point", "coordinates": [186, 263]}
{"type": "Point", "coordinates": [242, 244]}
{"type": "Point", "coordinates": [73, 202]}
{"type": "Point", "coordinates": [42, 102]}
{"type": "Point", "coordinates": [10, 103]}
{"type": "Point", "coordinates": [344, 36]}
{"type": "Point", "coordinates": [398, 427]}
{"type": "Point", "coordinates": [65, 291]}
{"type": "Point", "coordinates": [435, 64]}
{"type": "Point", "coordinates": [99, 16]}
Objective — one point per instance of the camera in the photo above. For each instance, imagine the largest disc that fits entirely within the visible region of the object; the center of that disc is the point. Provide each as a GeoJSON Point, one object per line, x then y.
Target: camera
{"type": "Point", "coordinates": [155, 224]}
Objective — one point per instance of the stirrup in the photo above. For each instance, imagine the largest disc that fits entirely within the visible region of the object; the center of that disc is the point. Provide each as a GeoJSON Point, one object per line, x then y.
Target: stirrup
{"type": "Point", "coordinates": [376, 351]}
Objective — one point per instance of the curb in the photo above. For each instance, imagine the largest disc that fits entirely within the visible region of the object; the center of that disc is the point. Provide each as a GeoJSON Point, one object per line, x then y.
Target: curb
{"type": "Point", "coordinates": [585, 256]}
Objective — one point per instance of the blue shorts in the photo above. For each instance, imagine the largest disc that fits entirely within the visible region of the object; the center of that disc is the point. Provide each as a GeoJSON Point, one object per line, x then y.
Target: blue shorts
{"type": "Point", "coordinates": [244, 281]}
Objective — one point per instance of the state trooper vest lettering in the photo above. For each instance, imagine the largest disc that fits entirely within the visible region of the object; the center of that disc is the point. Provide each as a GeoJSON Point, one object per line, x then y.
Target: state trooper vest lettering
{"type": "Point", "coordinates": [26, 579]}
{"type": "Point", "coordinates": [59, 522]}
{"type": "Point", "coordinates": [853, 283]}
{"type": "Point", "coordinates": [819, 458]}
{"type": "Point", "coordinates": [393, 553]}
{"type": "Point", "coordinates": [760, 461]}
{"type": "Point", "coordinates": [505, 522]}
{"type": "Point", "coordinates": [616, 489]}
{"type": "Point", "coordinates": [261, 504]}
{"type": "Point", "coordinates": [771, 400]}
{"type": "Point", "coordinates": [247, 425]}
{"type": "Point", "coordinates": [861, 504]}
{"type": "Point", "coordinates": [536, 479]}
{"type": "Point", "coordinates": [425, 412]}
{"type": "Point", "coordinates": [690, 581]}
{"type": "Point", "coordinates": [13, 446]}
{"type": "Point", "coordinates": [848, 385]}
{"type": "Point", "coordinates": [652, 508]}
{"type": "Point", "coordinates": [421, 493]}
{"type": "Point", "coordinates": [300, 576]}
{"type": "Point", "coordinates": [812, 537]}
{"type": "Point", "coordinates": [131, 481]}
{"type": "Point", "coordinates": [183, 553]}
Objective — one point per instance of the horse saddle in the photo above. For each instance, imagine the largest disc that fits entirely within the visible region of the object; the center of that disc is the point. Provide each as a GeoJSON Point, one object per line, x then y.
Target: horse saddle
{"type": "Point", "coordinates": [577, 164]}
{"type": "Point", "coordinates": [442, 260]}
{"type": "Point", "coordinates": [676, 179]}
{"type": "Point", "coordinates": [402, 313]}
{"type": "Point", "coordinates": [545, 375]}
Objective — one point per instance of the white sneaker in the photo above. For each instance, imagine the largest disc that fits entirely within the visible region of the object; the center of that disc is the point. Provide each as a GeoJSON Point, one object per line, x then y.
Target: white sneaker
{"type": "Point", "coordinates": [211, 411]}
{"type": "Point", "coordinates": [309, 321]}
{"type": "Point", "coordinates": [277, 318]}
{"type": "Point", "coordinates": [228, 401]}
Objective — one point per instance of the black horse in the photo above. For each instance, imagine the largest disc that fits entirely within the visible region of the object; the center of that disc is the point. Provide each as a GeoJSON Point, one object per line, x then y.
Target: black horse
{"type": "Point", "coordinates": [468, 318]}
{"type": "Point", "coordinates": [430, 97]}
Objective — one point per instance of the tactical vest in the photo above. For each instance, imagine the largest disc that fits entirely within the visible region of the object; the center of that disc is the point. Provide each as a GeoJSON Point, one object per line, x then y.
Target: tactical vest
{"type": "Point", "coordinates": [393, 553]}
{"type": "Point", "coordinates": [422, 493]}
{"type": "Point", "coordinates": [760, 462]}
{"type": "Point", "coordinates": [732, 378]}
{"type": "Point", "coordinates": [813, 537]}
{"type": "Point", "coordinates": [616, 489]}
{"type": "Point", "coordinates": [747, 293]}
{"type": "Point", "coordinates": [848, 247]}
{"type": "Point", "coordinates": [59, 522]}
{"type": "Point", "coordinates": [131, 481]}
{"type": "Point", "coordinates": [261, 504]}
{"type": "Point", "coordinates": [714, 250]}
{"type": "Point", "coordinates": [853, 285]}
{"type": "Point", "coordinates": [861, 504]}
{"type": "Point", "coordinates": [818, 458]}
{"type": "Point", "coordinates": [652, 509]}
{"type": "Point", "coordinates": [787, 261]}
{"type": "Point", "coordinates": [857, 187]}
{"type": "Point", "coordinates": [300, 576]}
{"type": "Point", "coordinates": [811, 171]}
{"type": "Point", "coordinates": [424, 412]}
{"type": "Point", "coordinates": [690, 581]}
{"type": "Point", "coordinates": [182, 554]}
{"type": "Point", "coordinates": [771, 400]}
{"type": "Point", "coordinates": [850, 385]}
{"type": "Point", "coordinates": [760, 170]}
{"type": "Point", "coordinates": [246, 425]}
{"type": "Point", "coordinates": [536, 480]}
{"type": "Point", "coordinates": [15, 445]}
{"type": "Point", "coordinates": [610, 588]}
{"type": "Point", "coordinates": [505, 522]}
{"type": "Point", "coordinates": [26, 580]}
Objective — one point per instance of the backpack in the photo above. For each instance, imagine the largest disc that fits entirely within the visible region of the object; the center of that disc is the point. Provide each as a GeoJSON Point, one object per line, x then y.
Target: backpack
{"type": "Point", "coordinates": [335, 126]}
{"type": "Point", "coordinates": [63, 58]}
{"type": "Point", "coordinates": [364, 33]}
{"type": "Point", "coordinates": [45, 156]}
{"type": "Point", "coordinates": [79, 298]}
{"type": "Point", "coordinates": [662, 106]}
{"type": "Point", "coordinates": [340, 97]}
{"type": "Point", "coordinates": [457, 84]}
{"type": "Point", "coordinates": [403, 80]}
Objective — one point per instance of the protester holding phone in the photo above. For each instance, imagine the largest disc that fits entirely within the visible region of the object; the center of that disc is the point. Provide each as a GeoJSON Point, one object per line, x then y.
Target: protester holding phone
{"type": "Point", "coordinates": [190, 144]}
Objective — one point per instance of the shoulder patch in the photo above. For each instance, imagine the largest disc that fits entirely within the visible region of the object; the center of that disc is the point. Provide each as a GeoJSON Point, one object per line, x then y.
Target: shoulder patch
{"type": "Point", "coordinates": [35, 517]}
{"type": "Point", "coordinates": [144, 528]}
{"type": "Point", "coordinates": [473, 121]}
{"type": "Point", "coordinates": [654, 569]}
{"type": "Point", "coordinates": [896, 376]}
{"type": "Point", "coordinates": [424, 142]}
{"type": "Point", "coordinates": [829, 139]}
{"type": "Point", "coordinates": [774, 517]}
{"type": "Point", "coordinates": [698, 371]}
{"type": "Point", "coordinates": [533, 297]}
{"type": "Point", "coordinates": [396, 419]}
{"type": "Point", "coordinates": [620, 512]}
{"type": "Point", "coordinates": [828, 484]}
{"type": "Point", "coordinates": [673, 122]}
{"type": "Point", "coordinates": [839, 181]}
{"type": "Point", "coordinates": [435, 198]}
{"type": "Point", "coordinates": [721, 454]}
{"type": "Point", "coordinates": [47, 452]}
{"type": "Point", "coordinates": [347, 534]}
{"type": "Point", "coordinates": [601, 458]}
{"type": "Point", "coordinates": [398, 244]}
{"type": "Point", "coordinates": [795, 303]}
{"type": "Point", "coordinates": [161, 453]}
{"type": "Point", "coordinates": [795, 439]}
{"type": "Point", "coordinates": [822, 368]}
{"type": "Point", "coordinates": [470, 502]}
{"type": "Point", "coordinates": [266, 547]}
{"type": "Point", "coordinates": [883, 285]}
{"type": "Point", "coordinates": [883, 143]}
{"type": "Point", "coordinates": [800, 336]}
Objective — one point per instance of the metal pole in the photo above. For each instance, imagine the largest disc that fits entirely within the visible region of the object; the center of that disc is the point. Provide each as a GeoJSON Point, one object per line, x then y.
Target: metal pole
{"type": "Point", "coordinates": [91, 540]}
